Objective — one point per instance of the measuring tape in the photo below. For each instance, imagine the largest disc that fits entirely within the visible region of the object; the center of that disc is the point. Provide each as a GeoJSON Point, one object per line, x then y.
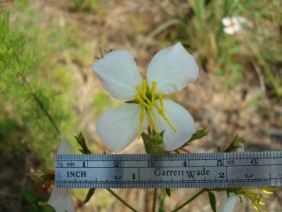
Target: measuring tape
{"type": "Point", "coordinates": [203, 170]}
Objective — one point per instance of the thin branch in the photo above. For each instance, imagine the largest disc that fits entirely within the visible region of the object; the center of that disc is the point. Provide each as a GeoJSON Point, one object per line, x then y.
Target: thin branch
{"type": "Point", "coordinates": [154, 200]}
{"type": "Point", "coordinates": [189, 200]}
{"type": "Point", "coordinates": [260, 76]}
{"type": "Point", "coordinates": [41, 106]}
{"type": "Point", "coordinates": [121, 200]}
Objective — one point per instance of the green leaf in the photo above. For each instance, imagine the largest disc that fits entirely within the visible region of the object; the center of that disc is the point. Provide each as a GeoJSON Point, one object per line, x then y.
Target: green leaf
{"type": "Point", "coordinates": [168, 191]}
{"type": "Point", "coordinates": [199, 11]}
{"type": "Point", "coordinates": [34, 200]}
{"type": "Point", "coordinates": [197, 135]}
{"type": "Point", "coordinates": [162, 204]}
{"type": "Point", "coordinates": [212, 201]}
{"type": "Point", "coordinates": [236, 143]}
{"type": "Point", "coordinates": [89, 195]}
{"type": "Point", "coordinates": [81, 141]}
{"type": "Point", "coordinates": [29, 197]}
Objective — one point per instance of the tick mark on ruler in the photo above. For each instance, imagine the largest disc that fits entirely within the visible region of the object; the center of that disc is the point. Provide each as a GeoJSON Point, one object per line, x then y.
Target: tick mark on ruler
{"type": "Point", "coordinates": [71, 164]}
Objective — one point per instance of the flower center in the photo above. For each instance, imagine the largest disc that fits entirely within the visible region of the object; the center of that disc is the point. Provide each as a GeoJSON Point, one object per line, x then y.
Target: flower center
{"type": "Point", "coordinates": [147, 98]}
{"type": "Point", "coordinates": [233, 24]}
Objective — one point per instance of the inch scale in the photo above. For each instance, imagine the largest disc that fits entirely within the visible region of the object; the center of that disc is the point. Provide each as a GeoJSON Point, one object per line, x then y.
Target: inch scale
{"type": "Point", "coordinates": [201, 170]}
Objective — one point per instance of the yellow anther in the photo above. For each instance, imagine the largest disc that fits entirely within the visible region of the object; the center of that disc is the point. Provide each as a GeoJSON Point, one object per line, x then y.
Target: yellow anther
{"type": "Point", "coordinates": [141, 123]}
{"type": "Point", "coordinates": [153, 91]}
{"type": "Point", "coordinates": [266, 191]}
{"type": "Point", "coordinates": [261, 203]}
{"type": "Point", "coordinates": [255, 207]}
{"type": "Point", "coordinates": [144, 86]}
{"type": "Point", "coordinates": [138, 98]}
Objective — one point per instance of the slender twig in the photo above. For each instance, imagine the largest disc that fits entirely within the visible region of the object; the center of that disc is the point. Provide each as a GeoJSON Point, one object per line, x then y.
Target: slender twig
{"type": "Point", "coordinates": [159, 29]}
{"type": "Point", "coordinates": [121, 200]}
{"type": "Point", "coordinates": [8, 194]}
{"type": "Point", "coordinates": [273, 80]}
{"type": "Point", "coordinates": [41, 106]}
{"type": "Point", "coordinates": [23, 183]}
{"type": "Point", "coordinates": [260, 76]}
{"type": "Point", "coordinates": [189, 200]}
{"type": "Point", "coordinates": [154, 200]}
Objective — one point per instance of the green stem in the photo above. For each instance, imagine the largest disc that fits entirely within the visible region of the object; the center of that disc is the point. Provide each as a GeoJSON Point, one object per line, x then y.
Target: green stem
{"type": "Point", "coordinates": [121, 200]}
{"type": "Point", "coordinates": [161, 28]}
{"type": "Point", "coordinates": [41, 106]}
{"type": "Point", "coordinates": [154, 200]}
{"type": "Point", "coordinates": [190, 200]}
{"type": "Point", "coordinates": [275, 82]}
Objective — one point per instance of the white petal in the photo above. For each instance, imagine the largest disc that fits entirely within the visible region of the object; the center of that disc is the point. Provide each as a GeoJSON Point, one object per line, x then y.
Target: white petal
{"type": "Point", "coordinates": [65, 147]}
{"type": "Point", "coordinates": [229, 30]}
{"type": "Point", "coordinates": [119, 127]}
{"type": "Point", "coordinates": [226, 21]}
{"type": "Point", "coordinates": [172, 68]}
{"type": "Point", "coordinates": [180, 119]}
{"type": "Point", "coordinates": [227, 203]}
{"type": "Point", "coordinates": [118, 74]}
{"type": "Point", "coordinates": [61, 200]}
{"type": "Point", "coordinates": [240, 19]}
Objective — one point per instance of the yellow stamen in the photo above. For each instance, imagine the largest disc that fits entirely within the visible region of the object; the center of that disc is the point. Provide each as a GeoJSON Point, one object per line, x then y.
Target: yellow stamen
{"type": "Point", "coordinates": [141, 123]}
{"type": "Point", "coordinates": [141, 97]}
{"type": "Point", "coordinates": [161, 98]}
{"type": "Point", "coordinates": [152, 122]}
{"type": "Point", "coordinates": [161, 112]}
{"type": "Point", "coordinates": [144, 85]}
{"type": "Point", "coordinates": [154, 85]}
{"type": "Point", "coordinates": [166, 119]}
{"type": "Point", "coordinates": [138, 98]}
{"type": "Point", "coordinates": [140, 91]}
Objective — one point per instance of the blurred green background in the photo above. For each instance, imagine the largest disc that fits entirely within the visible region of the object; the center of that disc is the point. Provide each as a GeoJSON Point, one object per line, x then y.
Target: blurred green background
{"type": "Point", "coordinates": [47, 49]}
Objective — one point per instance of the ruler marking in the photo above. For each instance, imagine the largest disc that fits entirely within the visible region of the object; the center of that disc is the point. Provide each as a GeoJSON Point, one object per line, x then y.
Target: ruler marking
{"type": "Point", "coordinates": [156, 166]}
{"type": "Point", "coordinates": [58, 157]}
{"type": "Point", "coordinates": [79, 157]}
{"type": "Point", "coordinates": [165, 184]}
{"type": "Point", "coordinates": [169, 182]}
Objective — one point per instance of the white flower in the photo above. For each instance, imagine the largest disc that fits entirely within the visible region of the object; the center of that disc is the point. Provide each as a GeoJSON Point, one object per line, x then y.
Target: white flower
{"type": "Point", "coordinates": [233, 25]}
{"type": "Point", "coordinates": [61, 198]}
{"type": "Point", "coordinates": [170, 70]}
{"type": "Point", "coordinates": [228, 203]}
{"type": "Point", "coordinates": [229, 200]}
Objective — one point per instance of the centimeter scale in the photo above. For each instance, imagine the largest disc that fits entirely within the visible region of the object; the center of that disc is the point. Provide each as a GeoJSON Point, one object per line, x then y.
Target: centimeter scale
{"type": "Point", "coordinates": [203, 170]}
